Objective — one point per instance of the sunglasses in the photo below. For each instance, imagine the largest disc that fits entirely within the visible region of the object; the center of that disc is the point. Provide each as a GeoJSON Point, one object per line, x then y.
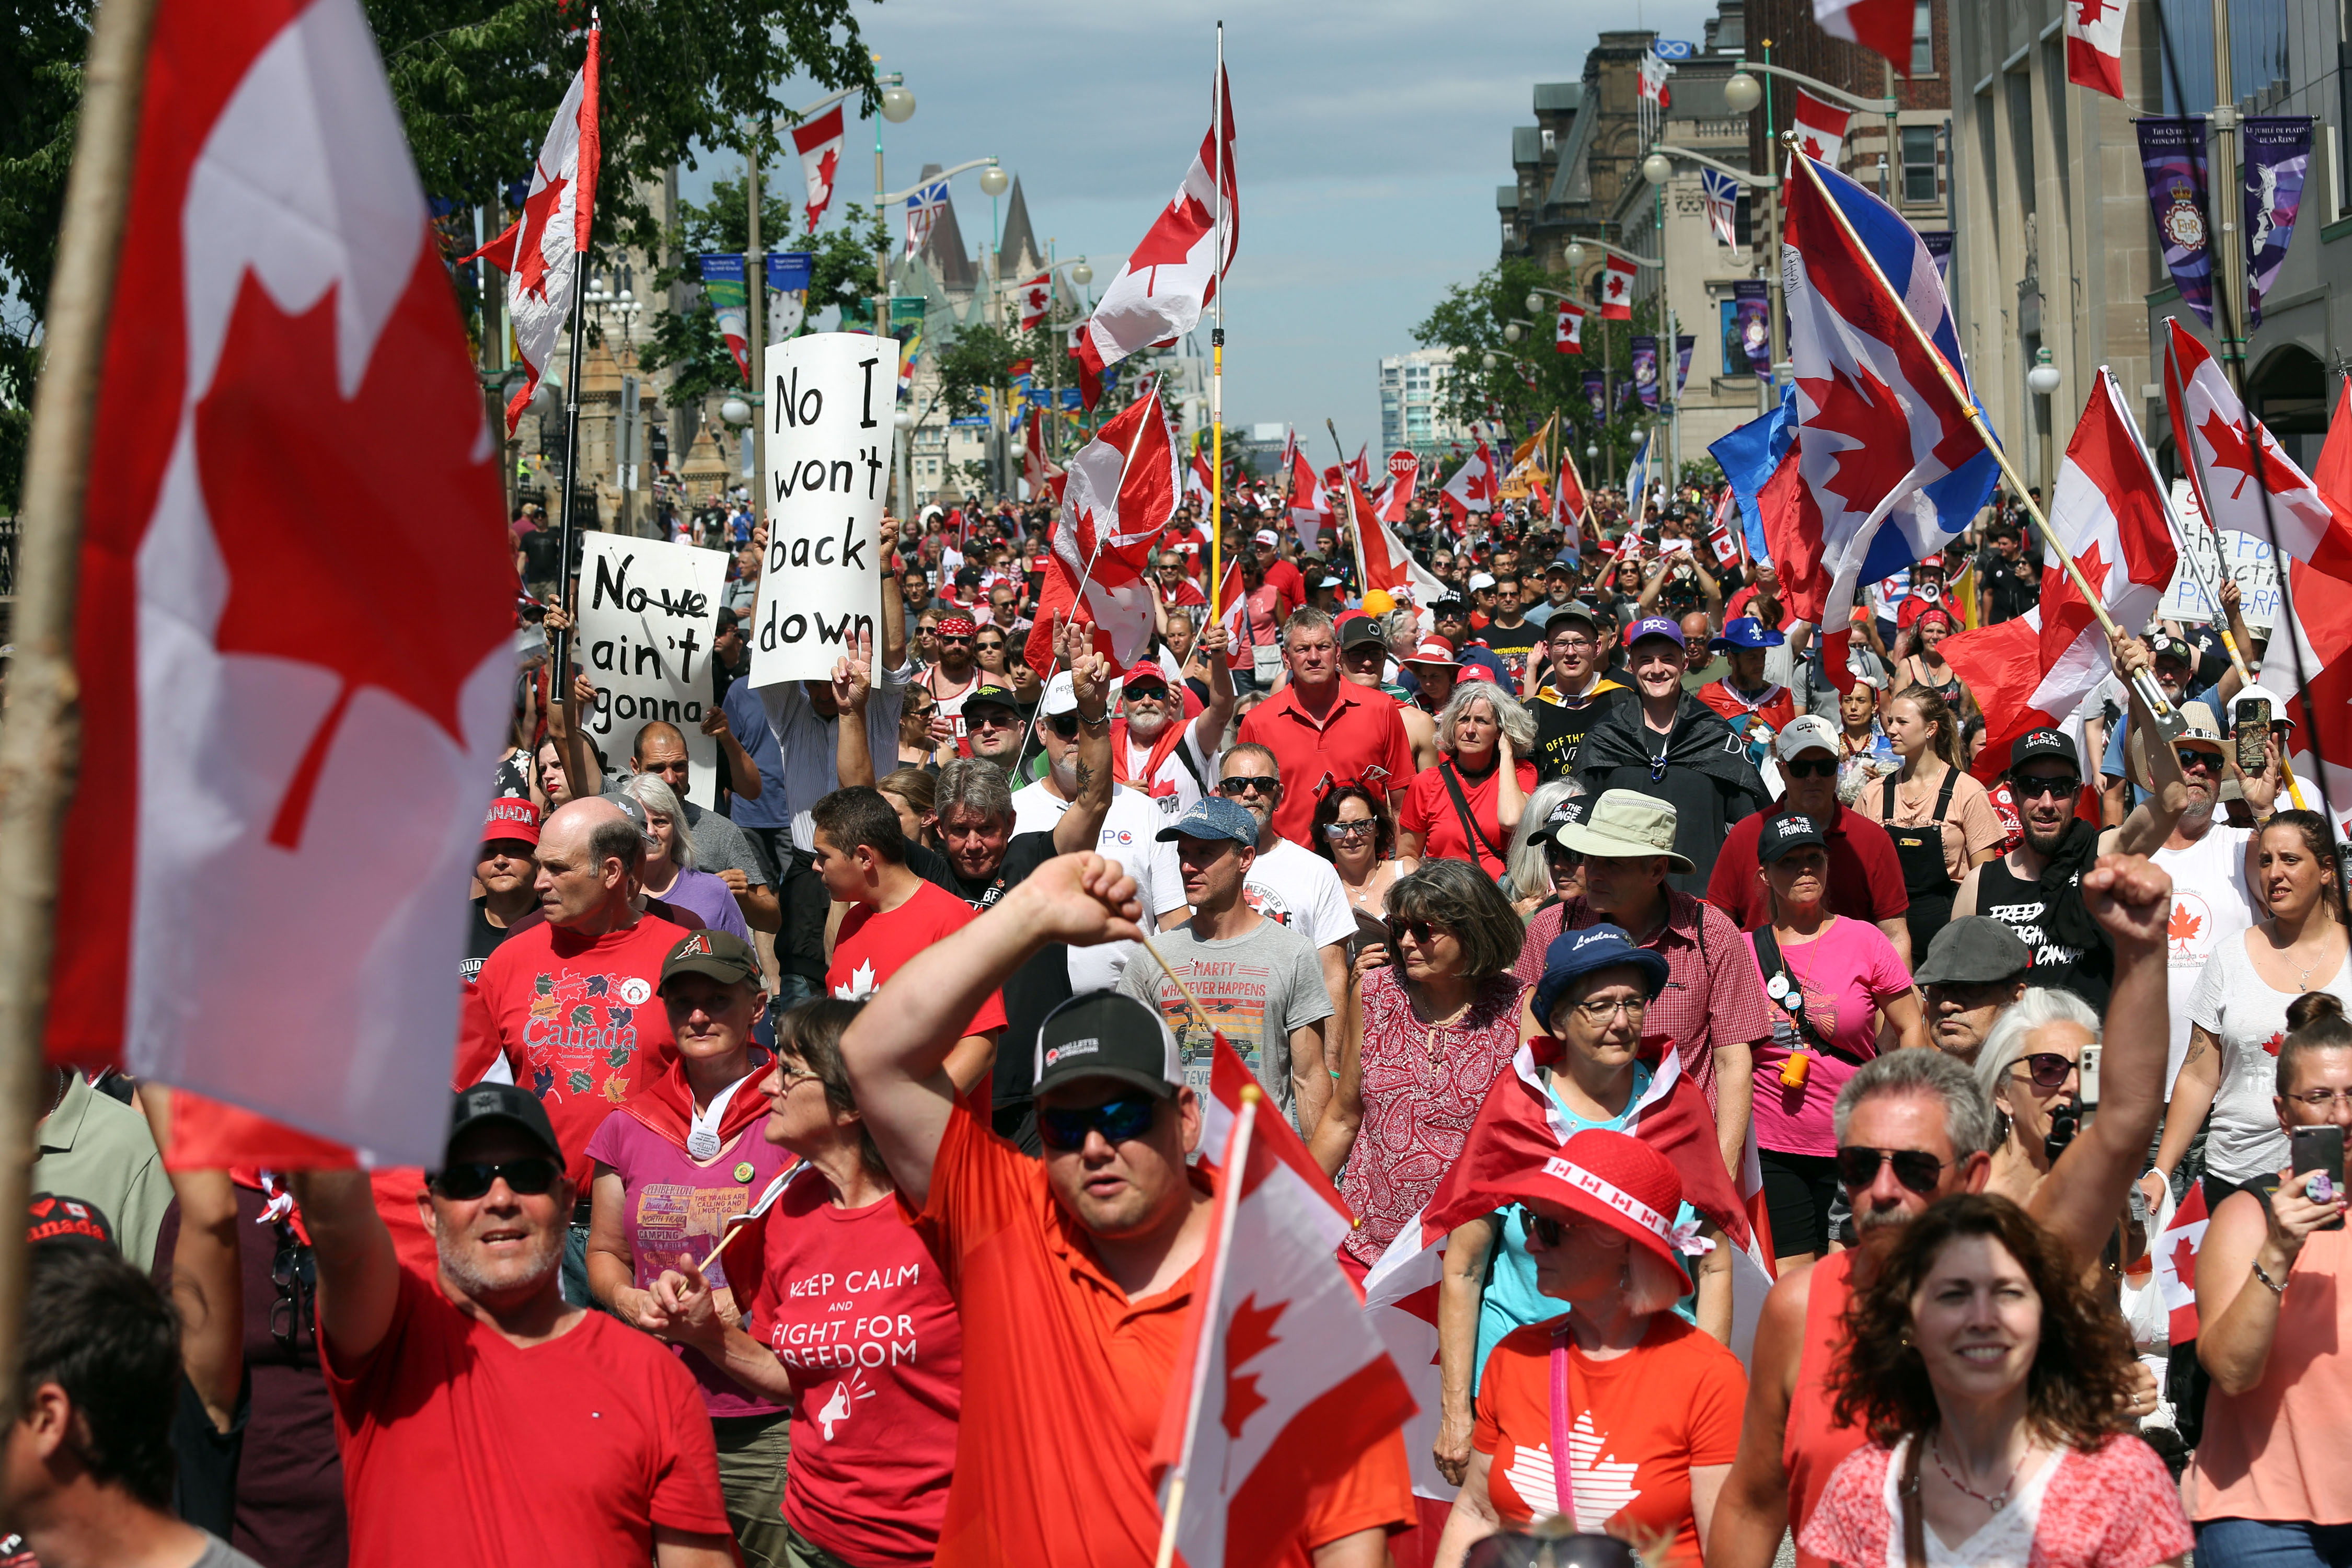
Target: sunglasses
{"type": "Point", "coordinates": [1335, 831]}
{"type": "Point", "coordinates": [1118, 1121]}
{"type": "Point", "coordinates": [992, 719]}
{"type": "Point", "coordinates": [1422, 932]}
{"type": "Point", "coordinates": [1248, 783]}
{"type": "Point", "coordinates": [2195, 759]}
{"type": "Point", "coordinates": [1543, 1228]}
{"type": "Point", "coordinates": [1066, 726]}
{"type": "Point", "coordinates": [1819, 768]}
{"type": "Point", "coordinates": [1857, 1167]}
{"type": "Point", "coordinates": [2035, 787]}
{"type": "Point", "coordinates": [2047, 1068]}
{"type": "Point", "coordinates": [471, 1179]}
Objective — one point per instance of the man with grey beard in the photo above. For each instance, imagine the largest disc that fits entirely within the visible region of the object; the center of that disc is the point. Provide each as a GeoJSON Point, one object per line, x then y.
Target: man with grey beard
{"type": "Point", "coordinates": [539, 1431]}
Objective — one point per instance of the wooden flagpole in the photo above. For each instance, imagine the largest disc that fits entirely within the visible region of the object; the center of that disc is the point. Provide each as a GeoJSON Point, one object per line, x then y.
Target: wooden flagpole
{"type": "Point", "coordinates": [40, 744]}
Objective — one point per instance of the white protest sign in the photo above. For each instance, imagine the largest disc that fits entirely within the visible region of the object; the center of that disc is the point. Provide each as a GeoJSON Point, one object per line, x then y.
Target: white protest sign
{"type": "Point", "coordinates": [649, 611]}
{"type": "Point", "coordinates": [829, 401]}
{"type": "Point", "coordinates": [2245, 558]}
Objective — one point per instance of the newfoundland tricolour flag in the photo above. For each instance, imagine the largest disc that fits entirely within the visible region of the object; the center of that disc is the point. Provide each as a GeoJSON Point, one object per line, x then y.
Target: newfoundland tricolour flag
{"type": "Point", "coordinates": [1120, 494]}
{"type": "Point", "coordinates": [1889, 467]}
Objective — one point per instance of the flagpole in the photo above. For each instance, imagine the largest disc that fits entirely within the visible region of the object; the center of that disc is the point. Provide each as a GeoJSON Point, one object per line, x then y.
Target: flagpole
{"type": "Point", "coordinates": [560, 647]}
{"type": "Point", "coordinates": [2208, 585]}
{"type": "Point", "coordinates": [1355, 523]}
{"type": "Point", "coordinates": [40, 744]}
{"type": "Point", "coordinates": [1229, 1193]}
{"type": "Point", "coordinates": [1217, 354]}
{"type": "Point", "coordinates": [2144, 684]}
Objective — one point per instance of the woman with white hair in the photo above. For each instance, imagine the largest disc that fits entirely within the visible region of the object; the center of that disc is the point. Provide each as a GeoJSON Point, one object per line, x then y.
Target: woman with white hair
{"type": "Point", "coordinates": [667, 871]}
{"type": "Point", "coordinates": [1469, 805]}
{"type": "Point", "coordinates": [2030, 1069]}
{"type": "Point", "coordinates": [1532, 881]}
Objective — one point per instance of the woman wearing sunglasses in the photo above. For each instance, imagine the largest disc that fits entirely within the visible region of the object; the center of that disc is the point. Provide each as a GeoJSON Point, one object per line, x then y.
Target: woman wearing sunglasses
{"type": "Point", "coordinates": [1994, 1384]}
{"type": "Point", "coordinates": [873, 1394]}
{"type": "Point", "coordinates": [1646, 1407]}
{"type": "Point", "coordinates": [2030, 1067]}
{"type": "Point", "coordinates": [922, 733]}
{"type": "Point", "coordinates": [1353, 831]}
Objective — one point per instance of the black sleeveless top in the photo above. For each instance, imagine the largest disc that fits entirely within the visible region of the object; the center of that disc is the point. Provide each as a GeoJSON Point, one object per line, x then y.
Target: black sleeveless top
{"type": "Point", "coordinates": [2021, 906]}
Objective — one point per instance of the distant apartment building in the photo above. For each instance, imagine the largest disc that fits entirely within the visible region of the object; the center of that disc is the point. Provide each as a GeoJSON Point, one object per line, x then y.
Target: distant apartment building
{"type": "Point", "coordinates": [1412, 394]}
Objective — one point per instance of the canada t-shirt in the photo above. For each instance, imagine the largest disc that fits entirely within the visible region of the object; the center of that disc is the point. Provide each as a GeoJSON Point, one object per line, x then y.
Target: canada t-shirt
{"type": "Point", "coordinates": [873, 945]}
{"type": "Point", "coordinates": [1846, 975]}
{"type": "Point", "coordinates": [577, 1020]}
{"type": "Point", "coordinates": [670, 1205]}
{"type": "Point", "coordinates": [1642, 1422]}
{"type": "Point", "coordinates": [858, 1312]}
{"type": "Point", "coordinates": [459, 1447]}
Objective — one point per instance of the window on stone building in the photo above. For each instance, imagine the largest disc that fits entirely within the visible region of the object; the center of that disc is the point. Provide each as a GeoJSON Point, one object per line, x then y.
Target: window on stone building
{"type": "Point", "coordinates": [1919, 164]}
{"type": "Point", "coordinates": [1923, 38]}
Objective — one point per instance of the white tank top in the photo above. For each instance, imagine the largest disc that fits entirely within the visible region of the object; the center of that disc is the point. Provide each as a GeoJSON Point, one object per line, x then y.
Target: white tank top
{"type": "Point", "coordinates": [2211, 905]}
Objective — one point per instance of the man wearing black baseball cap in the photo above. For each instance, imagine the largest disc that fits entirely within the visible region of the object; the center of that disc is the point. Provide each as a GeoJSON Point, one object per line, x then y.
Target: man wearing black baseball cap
{"type": "Point", "coordinates": [1074, 1270]}
{"type": "Point", "coordinates": [621, 1464]}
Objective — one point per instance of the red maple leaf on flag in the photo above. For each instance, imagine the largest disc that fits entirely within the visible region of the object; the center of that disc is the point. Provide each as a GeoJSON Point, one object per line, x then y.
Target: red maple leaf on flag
{"type": "Point", "coordinates": [1250, 1336]}
{"type": "Point", "coordinates": [1812, 148]}
{"type": "Point", "coordinates": [824, 168]}
{"type": "Point", "coordinates": [1616, 284]}
{"type": "Point", "coordinates": [531, 250]}
{"type": "Point", "coordinates": [1866, 411]}
{"type": "Point", "coordinates": [1181, 224]}
{"type": "Point", "coordinates": [2088, 12]}
{"type": "Point", "coordinates": [2184, 1261]}
{"type": "Point", "coordinates": [400, 590]}
{"type": "Point", "coordinates": [2230, 449]}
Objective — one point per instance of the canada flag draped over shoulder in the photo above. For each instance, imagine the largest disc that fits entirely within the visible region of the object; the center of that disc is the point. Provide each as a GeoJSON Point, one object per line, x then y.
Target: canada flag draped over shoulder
{"type": "Point", "coordinates": [283, 336]}
{"type": "Point", "coordinates": [2036, 669]}
{"type": "Point", "coordinates": [1159, 294]}
{"type": "Point", "coordinates": [1120, 494]}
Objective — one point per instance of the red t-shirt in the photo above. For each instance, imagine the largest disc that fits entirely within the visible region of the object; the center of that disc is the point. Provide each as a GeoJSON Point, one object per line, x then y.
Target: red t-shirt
{"type": "Point", "coordinates": [1642, 1422]}
{"type": "Point", "coordinates": [578, 1021]}
{"type": "Point", "coordinates": [1285, 580]}
{"type": "Point", "coordinates": [854, 1306]}
{"type": "Point", "coordinates": [1429, 810]}
{"type": "Point", "coordinates": [460, 1448]}
{"type": "Point", "coordinates": [1865, 876]}
{"type": "Point", "coordinates": [1072, 1357]}
{"type": "Point", "coordinates": [873, 945]}
{"type": "Point", "coordinates": [1192, 545]}
{"type": "Point", "coordinates": [1361, 732]}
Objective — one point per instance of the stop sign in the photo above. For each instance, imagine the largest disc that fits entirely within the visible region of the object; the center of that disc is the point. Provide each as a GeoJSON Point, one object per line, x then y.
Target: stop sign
{"type": "Point", "coordinates": [1401, 464]}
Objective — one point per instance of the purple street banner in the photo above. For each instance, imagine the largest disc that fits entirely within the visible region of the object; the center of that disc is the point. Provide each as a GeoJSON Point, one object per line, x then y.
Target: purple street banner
{"type": "Point", "coordinates": [1939, 246]}
{"type": "Point", "coordinates": [1626, 393]}
{"type": "Point", "coordinates": [2278, 155]}
{"type": "Point", "coordinates": [1751, 329]}
{"type": "Point", "coordinates": [1684, 344]}
{"type": "Point", "coordinates": [2172, 155]}
{"type": "Point", "coordinates": [1645, 369]}
{"type": "Point", "coordinates": [1595, 389]}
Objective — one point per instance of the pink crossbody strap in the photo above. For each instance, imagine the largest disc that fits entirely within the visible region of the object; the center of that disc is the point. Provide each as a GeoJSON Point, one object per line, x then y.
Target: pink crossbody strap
{"type": "Point", "coordinates": [1563, 1487]}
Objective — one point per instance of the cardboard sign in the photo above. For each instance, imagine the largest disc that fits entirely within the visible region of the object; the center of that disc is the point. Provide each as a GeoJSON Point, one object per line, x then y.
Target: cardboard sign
{"type": "Point", "coordinates": [2245, 557]}
{"type": "Point", "coordinates": [648, 612]}
{"type": "Point", "coordinates": [830, 446]}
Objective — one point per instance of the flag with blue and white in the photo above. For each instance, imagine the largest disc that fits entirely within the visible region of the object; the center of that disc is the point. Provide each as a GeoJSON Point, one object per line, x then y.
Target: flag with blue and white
{"type": "Point", "coordinates": [1889, 463]}
{"type": "Point", "coordinates": [922, 210]}
{"type": "Point", "coordinates": [1722, 195]}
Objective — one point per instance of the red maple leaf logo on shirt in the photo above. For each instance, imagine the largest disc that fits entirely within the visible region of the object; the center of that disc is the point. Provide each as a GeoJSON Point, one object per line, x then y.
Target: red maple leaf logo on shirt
{"type": "Point", "coordinates": [531, 257]}
{"type": "Point", "coordinates": [2183, 927]}
{"type": "Point", "coordinates": [358, 534]}
{"type": "Point", "coordinates": [1250, 1336]}
{"type": "Point", "coordinates": [2273, 1044]}
{"type": "Point", "coordinates": [2230, 450]}
{"type": "Point", "coordinates": [1866, 411]}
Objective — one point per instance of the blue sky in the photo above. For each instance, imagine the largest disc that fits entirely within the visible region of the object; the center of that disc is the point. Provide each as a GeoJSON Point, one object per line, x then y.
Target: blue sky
{"type": "Point", "coordinates": [1368, 139]}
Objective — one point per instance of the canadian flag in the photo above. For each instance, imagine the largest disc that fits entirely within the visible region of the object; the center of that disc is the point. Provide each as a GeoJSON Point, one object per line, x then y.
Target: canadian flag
{"type": "Point", "coordinates": [819, 145]}
{"type": "Point", "coordinates": [1172, 278]}
{"type": "Point", "coordinates": [1200, 484]}
{"type": "Point", "coordinates": [2111, 520]}
{"type": "Point", "coordinates": [2322, 627]}
{"type": "Point", "coordinates": [1310, 508]}
{"type": "Point", "coordinates": [1283, 1383]}
{"type": "Point", "coordinates": [1120, 494]}
{"type": "Point", "coordinates": [1386, 562]}
{"type": "Point", "coordinates": [1655, 72]}
{"type": "Point", "coordinates": [1724, 535]}
{"type": "Point", "coordinates": [1821, 128]}
{"type": "Point", "coordinates": [1472, 488]}
{"type": "Point", "coordinates": [1880, 26]}
{"type": "Point", "coordinates": [1359, 467]}
{"type": "Point", "coordinates": [283, 329]}
{"type": "Point", "coordinates": [1569, 500]}
{"type": "Point", "coordinates": [2175, 1252]}
{"type": "Point", "coordinates": [1036, 472]}
{"type": "Point", "coordinates": [1617, 290]}
{"type": "Point", "coordinates": [2240, 490]}
{"type": "Point", "coordinates": [540, 250]}
{"type": "Point", "coordinates": [2095, 44]}
{"type": "Point", "coordinates": [1034, 300]}
{"type": "Point", "coordinates": [1568, 334]}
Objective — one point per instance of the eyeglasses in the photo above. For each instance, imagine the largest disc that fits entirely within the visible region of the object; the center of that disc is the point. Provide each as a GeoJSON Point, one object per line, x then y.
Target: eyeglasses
{"type": "Point", "coordinates": [1601, 1013]}
{"type": "Point", "coordinates": [1118, 1121]}
{"type": "Point", "coordinates": [2317, 1099]}
{"type": "Point", "coordinates": [1249, 784]}
{"type": "Point", "coordinates": [2034, 785]}
{"type": "Point", "coordinates": [470, 1180]}
{"type": "Point", "coordinates": [1574, 645]}
{"type": "Point", "coordinates": [1857, 1167]}
{"type": "Point", "coordinates": [2047, 1068]}
{"type": "Point", "coordinates": [793, 1076]}
{"type": "Point", "coordinates": [1543, 1228]}
{"type": "Point", "coordinates": [2192, 757]}
{"type": "Point", "coordinates": [1818, 768]}
{"type": "Point", "coordinates": [1422, 932]}
{"type": "Point", "coordinates": [1066, 725]}
{"type": "Point", "coordinates": [1335, 831]}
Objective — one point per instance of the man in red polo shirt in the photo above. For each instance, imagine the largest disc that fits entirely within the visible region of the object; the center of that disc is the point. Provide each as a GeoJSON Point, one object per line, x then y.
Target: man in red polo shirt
{"type": "Point", "coordinates": [1865, 877]}
{"type": "Point", "coordinates": [1078, 1271]}
{"type": "Point", "coordinates": [1321, 727]}
{"type": "Point", "coordinates": [1280, 575]}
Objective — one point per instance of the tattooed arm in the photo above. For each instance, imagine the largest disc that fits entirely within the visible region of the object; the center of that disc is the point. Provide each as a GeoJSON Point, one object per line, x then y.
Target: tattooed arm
{"type": "Point", "coordinates": [1081, 825]}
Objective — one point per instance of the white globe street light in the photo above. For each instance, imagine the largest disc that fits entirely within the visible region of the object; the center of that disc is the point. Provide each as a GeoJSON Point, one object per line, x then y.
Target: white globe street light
{"type": "Point", "coordinates": [736, 411]}
{"type": "Point", "coordinates": [2042, 379]}
{"type": "Point", "coordinates": [1657, 168]}
{"type": "Point", "coordinates": [1082, 275]}
{"type": "Point", "coordinates": [1575, 257]}
{"type": "Point", "coordinates": [1592, 452]}
{"type": "Point", "coordinates": [994, 181]}
{"type": "Point", "coordinates": [1511, 333]}
{"type": "Point", "coordinates": [1741, 92]}
{"type": "Point", "coordinates": [897, 105]}
{"type": "Point", "coordinates": [903, 420]}
{"type": "Point", "coordinates": [1534, 303]}
{"type": "Point", "coordinates": [1487, 361]}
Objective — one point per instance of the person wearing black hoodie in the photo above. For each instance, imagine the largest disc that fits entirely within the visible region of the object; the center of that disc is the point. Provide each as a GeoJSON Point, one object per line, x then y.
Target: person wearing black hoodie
{"type": "Point", "coordinates": [1670, 745]}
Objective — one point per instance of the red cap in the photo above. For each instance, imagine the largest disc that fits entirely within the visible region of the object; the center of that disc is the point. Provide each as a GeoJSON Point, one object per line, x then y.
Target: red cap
{"type": "Point", "coordinates": [511, 816]}
{"type": "Point", "coordinates": [1476, 672]}
{"type": "Point", "coordinates": [1144, 675]}
{"type": "Point", "coordinates": [1618, 1181]}
{"type": "Point", "coordinates": [1432, 651]}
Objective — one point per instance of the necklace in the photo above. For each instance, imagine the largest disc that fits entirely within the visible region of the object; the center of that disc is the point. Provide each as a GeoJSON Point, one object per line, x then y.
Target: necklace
{"type": "Point", "coordinates": [1998, 1501]}
{"type": "Point", "coordinates": [1439, 1025]}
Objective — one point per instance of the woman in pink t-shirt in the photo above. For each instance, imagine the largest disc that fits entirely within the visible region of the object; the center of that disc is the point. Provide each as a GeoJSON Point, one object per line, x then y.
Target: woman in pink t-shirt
{"type": "Point", "coordinates": [851, 1319]}
{"type": "Point", "coordinates": [1829, 979]}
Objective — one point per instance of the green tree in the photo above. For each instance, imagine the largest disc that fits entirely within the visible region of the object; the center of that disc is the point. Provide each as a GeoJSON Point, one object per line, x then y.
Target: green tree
{"type": "Point", "coordinates": [42, 46]}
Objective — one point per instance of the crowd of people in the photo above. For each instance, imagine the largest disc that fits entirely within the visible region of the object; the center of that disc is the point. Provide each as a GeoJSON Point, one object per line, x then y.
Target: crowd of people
{"type": "Point", "coordinates": [827, 1181]}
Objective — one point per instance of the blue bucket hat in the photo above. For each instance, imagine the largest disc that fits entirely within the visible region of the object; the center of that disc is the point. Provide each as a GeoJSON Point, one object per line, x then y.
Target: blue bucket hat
{"type": "Point", "coordinates": [1573, 954]}
{"type": "Point", "coordinates": [1746, 632]}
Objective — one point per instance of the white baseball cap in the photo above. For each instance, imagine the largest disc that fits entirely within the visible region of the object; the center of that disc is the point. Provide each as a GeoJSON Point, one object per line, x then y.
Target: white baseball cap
{"type": "Point", "coordinates": [1806, 732]}
{"type": "Point", "coordinates": [1480, 580]}
{"type": "Point", "coordinates": [1061, 697]}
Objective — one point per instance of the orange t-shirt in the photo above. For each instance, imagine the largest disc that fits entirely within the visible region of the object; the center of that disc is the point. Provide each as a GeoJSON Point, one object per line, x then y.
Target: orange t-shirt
{"type": "Point", "coordinates": [1643, 1421]}
{"type": "Point", "coordinates": [1054, 1442]}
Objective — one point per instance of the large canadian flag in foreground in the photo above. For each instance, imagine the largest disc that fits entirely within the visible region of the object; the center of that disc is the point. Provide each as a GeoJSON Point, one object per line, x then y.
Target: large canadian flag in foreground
{"type": "Point", "coordinates": [1283, 1384]}
{"type": "Point", "coordinates": [1120, 491]}
{"type": "Point", "coordinates": [2322, 627]}
{"type": "Point", "coordinates": [1386, 562]}
{"type": "Point", "coordinates": [2111, 520]}
{"type": "Point", "coordinates": [259, 687]}
{"type": "Point", "coordinates": [1159, 294]}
